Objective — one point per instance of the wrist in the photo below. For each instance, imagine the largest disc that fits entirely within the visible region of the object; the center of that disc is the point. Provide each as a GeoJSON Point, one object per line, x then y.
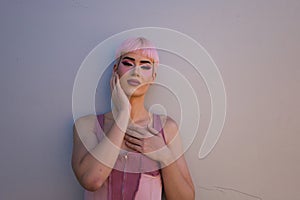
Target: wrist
{"type": "Point", "coordinates": [122, 120]}
{"type": "Point", "coordinates": [124, 114]}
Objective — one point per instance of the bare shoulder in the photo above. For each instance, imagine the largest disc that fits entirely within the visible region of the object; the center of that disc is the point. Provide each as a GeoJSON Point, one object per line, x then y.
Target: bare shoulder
{"type": "Point", "coordinates": [86, 118]}
{"type": "Point", "coordinates": [85, 133]}
{"type": "Point", "coordinates": [86, 122]}
{"type": "Point", "coordinates": [84, 137]}
{"type": "Point", "coordinates": [170, 127]}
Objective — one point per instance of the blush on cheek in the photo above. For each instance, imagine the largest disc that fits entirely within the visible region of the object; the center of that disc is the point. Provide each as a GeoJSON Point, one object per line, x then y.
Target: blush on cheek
{"type": "Point", "coordinates": [145, 73]}
{"type": "Point", "coordinates": [122, 70]}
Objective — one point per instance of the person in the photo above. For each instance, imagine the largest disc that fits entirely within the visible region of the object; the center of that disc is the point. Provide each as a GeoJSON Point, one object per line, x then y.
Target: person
{"type": "Point", "coordinates": [129, 152]}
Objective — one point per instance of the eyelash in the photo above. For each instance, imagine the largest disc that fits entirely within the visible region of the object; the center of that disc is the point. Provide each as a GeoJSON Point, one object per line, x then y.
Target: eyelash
{"type": "Point", "coordinates": [146, 67]}
{"type": "Point", "coordinates": [129, 64]}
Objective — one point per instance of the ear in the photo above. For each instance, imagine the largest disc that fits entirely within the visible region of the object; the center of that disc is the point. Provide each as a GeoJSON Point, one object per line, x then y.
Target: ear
{"type": "Point", "coordinates": [154, 76]}
{"type": "Point", "coordinates": [154, 73]}
{"type": "Point", "coordinates": [115, 68]}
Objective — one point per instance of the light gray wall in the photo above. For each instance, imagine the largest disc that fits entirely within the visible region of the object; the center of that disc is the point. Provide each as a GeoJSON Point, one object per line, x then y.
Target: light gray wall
{"type": "Point", "coordinates": [255, 44]}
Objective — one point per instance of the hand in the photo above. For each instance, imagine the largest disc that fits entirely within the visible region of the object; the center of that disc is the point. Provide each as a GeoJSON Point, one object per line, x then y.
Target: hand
{"type": "Point", "coordinates": [147, 141]}
{"type": "Point", "coordinates": [120, 101]}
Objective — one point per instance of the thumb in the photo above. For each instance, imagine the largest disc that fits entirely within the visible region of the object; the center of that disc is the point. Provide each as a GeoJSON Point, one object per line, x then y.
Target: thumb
{"type": "Point", "coordinates": [152, 130]}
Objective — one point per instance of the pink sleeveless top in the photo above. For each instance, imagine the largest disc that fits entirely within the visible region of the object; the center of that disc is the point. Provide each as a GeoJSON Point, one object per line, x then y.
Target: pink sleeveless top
{"type": "Point", "coordinates": [134, 177]}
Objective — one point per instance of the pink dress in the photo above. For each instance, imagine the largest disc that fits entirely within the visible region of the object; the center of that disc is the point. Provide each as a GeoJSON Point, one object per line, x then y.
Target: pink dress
{"type": "Point", "coordinates": [134, 177]}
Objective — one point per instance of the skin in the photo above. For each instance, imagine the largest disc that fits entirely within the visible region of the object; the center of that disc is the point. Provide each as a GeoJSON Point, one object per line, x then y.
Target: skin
{"type": "Point", "coordinates": [128, 127]}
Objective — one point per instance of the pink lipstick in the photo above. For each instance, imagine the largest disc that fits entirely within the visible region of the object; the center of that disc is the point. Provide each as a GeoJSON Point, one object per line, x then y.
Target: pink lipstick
{"type": "Point", "coordinates": [133, 82]}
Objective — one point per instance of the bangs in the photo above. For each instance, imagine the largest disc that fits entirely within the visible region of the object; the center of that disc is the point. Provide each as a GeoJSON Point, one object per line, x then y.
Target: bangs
{"type": "Point", "coordinates": [140, 45]}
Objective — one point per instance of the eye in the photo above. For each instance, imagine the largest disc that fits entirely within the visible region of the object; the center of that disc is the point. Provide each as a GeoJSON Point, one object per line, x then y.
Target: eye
{"type": "Point", "coordinates": [146, 67]}
{"type": "Point", "coordinates": [127, 63]}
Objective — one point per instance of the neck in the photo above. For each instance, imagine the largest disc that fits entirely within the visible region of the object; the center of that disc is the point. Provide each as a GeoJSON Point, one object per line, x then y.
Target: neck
{"type": "Point", "coordinates": [138, 110]}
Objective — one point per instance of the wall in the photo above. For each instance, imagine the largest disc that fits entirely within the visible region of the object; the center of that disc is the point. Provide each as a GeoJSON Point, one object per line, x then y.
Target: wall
{"type": "Point", "coordinates": [255, 45]}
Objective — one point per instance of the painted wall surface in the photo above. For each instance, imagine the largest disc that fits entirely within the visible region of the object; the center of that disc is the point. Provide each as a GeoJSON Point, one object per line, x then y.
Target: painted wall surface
{"type": "Point", "coordinates": [255, 45]}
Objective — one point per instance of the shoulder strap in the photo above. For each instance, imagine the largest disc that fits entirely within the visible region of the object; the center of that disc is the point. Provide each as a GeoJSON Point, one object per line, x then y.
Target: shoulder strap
{"type": "Point", "coordinates": [158, 125]}
{"type": "Point", "coordinates": [99, 132]}
{"type": "Point", "coordinates": [101, 120]}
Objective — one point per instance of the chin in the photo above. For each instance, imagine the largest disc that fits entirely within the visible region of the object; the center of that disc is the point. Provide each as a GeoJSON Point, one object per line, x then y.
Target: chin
{"type": "Point", "coordinates": [136, 92]}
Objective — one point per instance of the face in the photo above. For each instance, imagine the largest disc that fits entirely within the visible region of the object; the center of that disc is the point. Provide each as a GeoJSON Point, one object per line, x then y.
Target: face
{"type": "Point", "coordinates": [136, 72]}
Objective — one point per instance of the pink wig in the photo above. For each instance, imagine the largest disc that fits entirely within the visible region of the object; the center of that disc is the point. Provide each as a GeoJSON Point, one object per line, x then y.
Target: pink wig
{"type": "Point", "coordinates": [141, 44]}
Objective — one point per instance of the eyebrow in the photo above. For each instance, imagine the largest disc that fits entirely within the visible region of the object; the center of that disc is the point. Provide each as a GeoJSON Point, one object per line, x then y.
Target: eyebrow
{"type": "Point", "coordinates": [142, 61]}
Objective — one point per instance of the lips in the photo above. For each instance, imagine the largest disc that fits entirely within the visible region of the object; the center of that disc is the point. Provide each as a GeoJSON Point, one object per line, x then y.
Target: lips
{"type": "Point", "coordinates": [133, 82]}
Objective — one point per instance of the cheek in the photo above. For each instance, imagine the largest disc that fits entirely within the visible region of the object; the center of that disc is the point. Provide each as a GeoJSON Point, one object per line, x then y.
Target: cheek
{"type": "Point", "coordinates": [122, 70]}
{"type": "Point", "coordinates": [146, 73]}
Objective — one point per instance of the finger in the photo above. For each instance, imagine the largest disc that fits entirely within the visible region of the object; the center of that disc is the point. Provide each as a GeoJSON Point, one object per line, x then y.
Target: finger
{"type": "Point", "coordinates": [152, 130]}
{"type": "Point", "coordinates": [137, 129]}
{"type": "Point", "coordinates": [118, 85]}
{"type": "Point", "coordinates": [134, 146]}
{"type": "Point", "coordinates": [112, 82]}
{"type": "Point", "coordinates": [133, 140]}
{"type": "Point", "coordinates": [133, 133]}
{"type": "Point", "coordinates": [115, 82]}
{"type": "Point", "coordinates": [140, 132]}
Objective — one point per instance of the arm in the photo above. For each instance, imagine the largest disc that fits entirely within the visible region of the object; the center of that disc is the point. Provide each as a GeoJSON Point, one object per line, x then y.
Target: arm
{"type": "Point", "coordinates": [92, 161]}
{"type": "Point", "coordinates": [176, 177]}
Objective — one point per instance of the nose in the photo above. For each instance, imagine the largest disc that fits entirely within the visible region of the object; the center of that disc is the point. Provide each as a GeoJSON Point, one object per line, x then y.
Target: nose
{"type": "Point", "coordinates": [136, 71]}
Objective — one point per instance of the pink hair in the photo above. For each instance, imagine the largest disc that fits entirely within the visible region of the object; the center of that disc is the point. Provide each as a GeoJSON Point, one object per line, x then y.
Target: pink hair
{"type": "Point", "coordinates": [141, 44]}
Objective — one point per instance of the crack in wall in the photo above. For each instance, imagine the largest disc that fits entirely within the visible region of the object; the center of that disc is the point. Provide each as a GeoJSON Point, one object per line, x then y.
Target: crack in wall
{"type": "Point", "coordinates": [231, 192]}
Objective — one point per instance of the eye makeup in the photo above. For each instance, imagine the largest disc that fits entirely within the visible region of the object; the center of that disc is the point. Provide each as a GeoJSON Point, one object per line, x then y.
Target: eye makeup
{"type": "Point", "coordinates": [128, 64]}
{"type": "Point", "coordinates": [146, 67]}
